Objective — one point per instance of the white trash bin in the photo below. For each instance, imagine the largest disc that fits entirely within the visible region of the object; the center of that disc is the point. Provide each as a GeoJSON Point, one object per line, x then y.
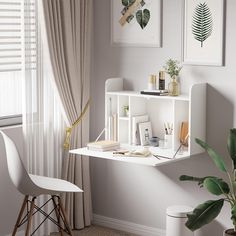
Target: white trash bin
{"type": "Point", "coordinates": [176, 217]}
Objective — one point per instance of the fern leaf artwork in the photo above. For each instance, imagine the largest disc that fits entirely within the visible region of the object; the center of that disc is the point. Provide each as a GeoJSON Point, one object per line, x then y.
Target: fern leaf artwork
{"type": "Point", "coordinates": [202, 23]}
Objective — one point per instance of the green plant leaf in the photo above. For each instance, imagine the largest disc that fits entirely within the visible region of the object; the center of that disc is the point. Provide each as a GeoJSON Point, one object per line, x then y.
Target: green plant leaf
{"type": "Point", "coordinates": [143, 17]}
{"type": "Point", "coordinates": [215, 157]}
{"type": "Point", "coordinates": [216, 186]}
{"type": "Point", "coordinates": [127, 3]}
{"type": "Point", "coordinates": [231, 144]}
{"type": "Point", "coordinates": [204, 214]}
{"type": "Point", "coordinates": [194, 179]}
{"type": "Point", "coordinates": [233, 215]}
{"type": "Point", "coordinates": [202, 22]}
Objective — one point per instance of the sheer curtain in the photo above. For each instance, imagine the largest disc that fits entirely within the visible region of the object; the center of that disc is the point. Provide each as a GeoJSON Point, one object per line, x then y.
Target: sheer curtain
{"type": "Point", "coordinates": [43, 123]}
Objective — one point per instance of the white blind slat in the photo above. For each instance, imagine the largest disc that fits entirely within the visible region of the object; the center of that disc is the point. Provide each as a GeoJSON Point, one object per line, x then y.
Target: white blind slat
{"type": "Point", "coordinates": [15, 31]}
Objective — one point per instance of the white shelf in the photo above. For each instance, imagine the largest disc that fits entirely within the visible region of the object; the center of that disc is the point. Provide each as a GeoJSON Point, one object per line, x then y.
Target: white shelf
{"type": "Point", "coordinates": [182, 97]}
{"type": "Point", "coordinates": [124, 118]}
{"type": "Point", "coordinates": [190, 108]}
{"type": "Point", "coordinates": [147, 161]}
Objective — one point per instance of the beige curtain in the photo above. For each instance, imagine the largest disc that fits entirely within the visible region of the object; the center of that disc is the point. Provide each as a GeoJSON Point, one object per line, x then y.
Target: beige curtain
{"type": "Point", "coordinates": [68, 29]}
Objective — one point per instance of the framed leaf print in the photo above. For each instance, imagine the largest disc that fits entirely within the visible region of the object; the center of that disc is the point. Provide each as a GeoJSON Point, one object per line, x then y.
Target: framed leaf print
{"type": "Point", "coordinates": [203, 32]}
{"type": "Point", "coordinates": [136, 22]}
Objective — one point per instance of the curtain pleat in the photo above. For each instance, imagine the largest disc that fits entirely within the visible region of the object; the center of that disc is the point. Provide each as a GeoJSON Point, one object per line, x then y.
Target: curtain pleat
{"type": "Point", "coordinates": [68, 29]}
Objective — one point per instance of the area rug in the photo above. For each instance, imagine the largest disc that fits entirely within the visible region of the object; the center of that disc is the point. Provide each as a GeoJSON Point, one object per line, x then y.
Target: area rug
{"type": "Point", "coordinates": [95, 230]}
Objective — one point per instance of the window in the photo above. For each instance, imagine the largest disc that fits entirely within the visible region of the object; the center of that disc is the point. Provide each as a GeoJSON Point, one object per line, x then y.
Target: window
{"type": "Point", "coordinates": [17, 52]}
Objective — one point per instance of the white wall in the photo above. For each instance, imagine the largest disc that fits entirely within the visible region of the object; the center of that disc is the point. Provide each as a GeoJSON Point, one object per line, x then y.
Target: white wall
{"type": "Point", "coordinates": [141, 194]}
{"type": "Point", "coordinates": [10, 198]}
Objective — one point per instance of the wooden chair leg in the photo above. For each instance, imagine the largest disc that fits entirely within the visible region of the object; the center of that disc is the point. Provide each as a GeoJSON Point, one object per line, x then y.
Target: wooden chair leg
{"type": "Point", "coordinates": [64, 216]}
{"type": "Point", "coordinates": [20, 215]}
{"type": "Point", "coordinates": [32, 205]}
{"type": "Point", "coordinates": [57, 214]}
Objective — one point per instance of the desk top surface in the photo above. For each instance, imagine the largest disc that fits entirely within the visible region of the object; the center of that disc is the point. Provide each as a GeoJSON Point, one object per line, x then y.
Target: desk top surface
{"type": "Point", "coordinates": [149, 161]}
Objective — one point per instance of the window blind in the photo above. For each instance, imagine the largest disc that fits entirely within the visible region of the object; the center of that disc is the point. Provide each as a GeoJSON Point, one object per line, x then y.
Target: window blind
{"type": "Point", "coordinates": [17, 35]}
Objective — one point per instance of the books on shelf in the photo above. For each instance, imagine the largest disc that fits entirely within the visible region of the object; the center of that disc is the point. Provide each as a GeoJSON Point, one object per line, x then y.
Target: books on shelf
{"type": "Point", "coordinates": [103, 145]}
{"type": "Point", "coordinates": [112, 127]}
{"type": "Point", "coordinates": [135, 128]}
{"type": "Point", "coordinates": [155, 92]}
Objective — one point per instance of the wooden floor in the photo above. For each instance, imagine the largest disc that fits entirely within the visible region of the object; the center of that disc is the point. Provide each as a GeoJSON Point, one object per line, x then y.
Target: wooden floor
{"type": "Point", "coordinates": [98, 231]}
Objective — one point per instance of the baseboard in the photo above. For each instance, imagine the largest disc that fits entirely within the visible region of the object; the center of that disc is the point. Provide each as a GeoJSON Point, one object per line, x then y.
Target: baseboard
{"type": "Point", "coordinates": [20, 233]}
{"type": "Point", "coordinates": [129, 227]}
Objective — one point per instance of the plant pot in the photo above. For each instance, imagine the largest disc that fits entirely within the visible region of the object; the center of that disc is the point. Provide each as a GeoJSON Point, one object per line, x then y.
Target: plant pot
{"type": "Point", "coordinates": [173, 87]}
{"type": "Point", "coordinates": [229, 232]}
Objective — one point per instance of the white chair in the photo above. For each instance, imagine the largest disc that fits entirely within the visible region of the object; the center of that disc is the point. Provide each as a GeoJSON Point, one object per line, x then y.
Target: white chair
{"type": "Point", "coordinates": [32, 186]}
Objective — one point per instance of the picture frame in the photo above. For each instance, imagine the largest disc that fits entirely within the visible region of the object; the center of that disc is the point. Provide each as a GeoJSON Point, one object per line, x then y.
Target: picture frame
{"type": "Point", "coordinates": [203, 32]}
{"type": "Point", "coordinates": [129, 31]}
{"type": "Point", "coordinates": [145, 131]}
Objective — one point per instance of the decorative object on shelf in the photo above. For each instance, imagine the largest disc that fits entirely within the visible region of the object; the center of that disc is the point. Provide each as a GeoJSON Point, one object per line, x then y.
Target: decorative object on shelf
{"type": "Point", "coordinates": [172, 68]}
{"type": "Point", "coordinates": [209, 210]}
{"type": "Point", "coordinates": [154, 141]}
{"type": "Point", "coordinates": [173, 87]}
{"type": "Point", "coordinates": [135, 128]}
{"type": "Point", "coordinates": [161, 84]}
{"type": "Point", "coordinates": [203, 32]}
{"type": "Point", "coordinates": [136, 22]}
{"type": "Point", "coordinates": [145, 131]}
{"type": "Point", "coordinates": [152, 82]}
{"type": "Point", "coordinates": [183, 133]}
{"type": "Point", "coordinates": [126, 110]}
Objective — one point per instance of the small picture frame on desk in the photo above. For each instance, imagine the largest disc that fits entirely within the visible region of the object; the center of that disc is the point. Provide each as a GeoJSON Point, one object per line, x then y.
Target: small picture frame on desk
{"type": "Point", "coordinates": [145, 131]}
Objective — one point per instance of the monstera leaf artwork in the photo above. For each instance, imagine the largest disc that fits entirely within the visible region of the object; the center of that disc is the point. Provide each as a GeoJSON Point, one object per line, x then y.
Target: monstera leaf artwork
{"type": "Point", "coordinates": [143, 17]}
{"type": "Point", "coordinates": [202, 23]}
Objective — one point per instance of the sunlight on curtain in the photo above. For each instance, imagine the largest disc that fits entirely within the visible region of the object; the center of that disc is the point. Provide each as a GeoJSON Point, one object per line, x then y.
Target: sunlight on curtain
{"type": "Point", "coordinates": [43, 124]}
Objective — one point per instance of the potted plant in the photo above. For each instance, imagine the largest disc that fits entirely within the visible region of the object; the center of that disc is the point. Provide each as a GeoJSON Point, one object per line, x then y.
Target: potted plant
{"type": "Point", "coordinates": [226, 190]}
{"type": "Point", "coordinates": [173, 69]}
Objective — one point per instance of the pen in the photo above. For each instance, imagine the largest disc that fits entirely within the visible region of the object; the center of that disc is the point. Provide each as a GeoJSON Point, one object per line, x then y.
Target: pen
{"type": "Point", "coordinates": [165, 128]}
{"type": "Point", "coordinates": [158, 157]}
{"type": "Point", "coordinates": [171, 128]}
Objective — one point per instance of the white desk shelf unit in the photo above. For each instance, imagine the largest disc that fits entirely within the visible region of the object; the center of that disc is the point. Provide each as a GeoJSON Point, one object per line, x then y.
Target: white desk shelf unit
{"type": "Point", "coordinates": [186, 107]}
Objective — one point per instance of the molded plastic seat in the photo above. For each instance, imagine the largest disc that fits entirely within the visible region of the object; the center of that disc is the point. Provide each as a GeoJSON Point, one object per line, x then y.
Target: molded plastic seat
{"type": "Point", "coordinates": [34, 185]}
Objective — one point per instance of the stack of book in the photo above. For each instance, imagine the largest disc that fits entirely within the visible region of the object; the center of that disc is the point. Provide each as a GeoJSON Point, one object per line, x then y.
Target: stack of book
{"type": "Point", "coordinates": [155, 92]}
{"type": "Point", "coordinates": [103, 145]}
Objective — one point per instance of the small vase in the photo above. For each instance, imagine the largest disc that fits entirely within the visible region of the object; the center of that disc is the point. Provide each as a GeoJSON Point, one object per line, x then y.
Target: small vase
{"type": "Point", "coordinates": [229, 232]}
{"type": "Point", "coordinates": [173, 87]}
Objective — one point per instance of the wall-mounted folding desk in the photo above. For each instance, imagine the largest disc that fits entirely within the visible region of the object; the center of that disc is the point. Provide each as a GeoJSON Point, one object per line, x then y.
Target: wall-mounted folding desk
{"type": "Point", "coordinates": [189, 107]}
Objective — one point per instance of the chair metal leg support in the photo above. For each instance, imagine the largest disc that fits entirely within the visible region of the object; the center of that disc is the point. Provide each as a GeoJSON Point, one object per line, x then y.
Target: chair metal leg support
{"type": "Point", "coordinates": [65, 217]}
{"type": "Point", "coordinates": [20, 215]}
{"type": "Point", "coordinates": [57, 215]}
{"type": "Point", "coordinates": [27, 233]}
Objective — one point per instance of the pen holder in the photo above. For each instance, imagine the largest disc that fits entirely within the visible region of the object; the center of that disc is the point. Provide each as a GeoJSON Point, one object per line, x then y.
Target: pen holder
{"type": "Point", "coordinates": [168, 141]}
